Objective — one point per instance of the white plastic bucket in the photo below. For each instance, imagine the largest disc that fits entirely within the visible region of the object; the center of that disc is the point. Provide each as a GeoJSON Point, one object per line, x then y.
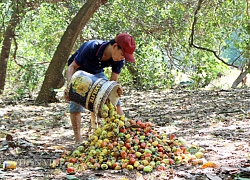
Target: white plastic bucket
{"type": "Point", "coordinates": [92, 92]}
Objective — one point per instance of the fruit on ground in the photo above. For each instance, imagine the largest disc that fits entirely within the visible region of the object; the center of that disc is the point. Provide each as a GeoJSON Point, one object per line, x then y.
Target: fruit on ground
{"type": "Point", "coordinates": [70, 170]}
{"type": "Point", "coordinates": [125, 143]}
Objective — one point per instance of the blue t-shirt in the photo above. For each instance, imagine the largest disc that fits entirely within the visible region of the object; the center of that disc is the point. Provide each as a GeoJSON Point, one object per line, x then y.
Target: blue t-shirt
{"type": "Point", "coordinates": [89, 56]}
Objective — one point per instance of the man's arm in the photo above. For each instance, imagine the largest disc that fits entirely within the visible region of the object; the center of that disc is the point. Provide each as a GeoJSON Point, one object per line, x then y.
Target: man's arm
{"type": "Point", "coordinates": [71, 70]}
{"type": "Point", "coordinates": [69, 73]}
{"type": "Point", "coordinates": [114, 77]}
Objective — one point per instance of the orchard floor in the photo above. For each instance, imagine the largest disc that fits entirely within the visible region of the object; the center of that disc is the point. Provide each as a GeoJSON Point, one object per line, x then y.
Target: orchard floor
{"type": "Point", "coordinates": [216, 120]}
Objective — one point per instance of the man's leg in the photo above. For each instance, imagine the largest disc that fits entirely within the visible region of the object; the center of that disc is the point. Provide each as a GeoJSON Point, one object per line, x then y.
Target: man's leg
{"type": "Point", "coordinates": [93, 121]}
{"type": "Point", "coordinates": [75, 118]}
{"type": "Point", "coordinates": [119, 110]}
{"type": "Point", "coordinates": [76, 125]}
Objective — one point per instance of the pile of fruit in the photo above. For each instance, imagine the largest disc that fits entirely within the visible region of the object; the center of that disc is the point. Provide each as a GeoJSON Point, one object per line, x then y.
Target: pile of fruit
{"type": "Point", "coordinates": [124, 143]}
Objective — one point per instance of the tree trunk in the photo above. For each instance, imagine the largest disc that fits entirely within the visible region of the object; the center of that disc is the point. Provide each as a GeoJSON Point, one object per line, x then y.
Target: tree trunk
{"type": "Point", "coordinates": [54, 72]}
{"type": "Point", "coordinates": [239, 79]}
{"type": "Point", "coordinates": [5, 52]}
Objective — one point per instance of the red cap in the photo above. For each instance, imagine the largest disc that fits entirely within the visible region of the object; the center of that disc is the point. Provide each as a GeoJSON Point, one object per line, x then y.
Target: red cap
{"type": "Point", "coordinates": [127, 43]}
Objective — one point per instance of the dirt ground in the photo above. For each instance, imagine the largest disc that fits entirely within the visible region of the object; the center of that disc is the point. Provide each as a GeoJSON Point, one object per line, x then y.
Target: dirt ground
{"type": "Point", "coordinates": [217, 120]}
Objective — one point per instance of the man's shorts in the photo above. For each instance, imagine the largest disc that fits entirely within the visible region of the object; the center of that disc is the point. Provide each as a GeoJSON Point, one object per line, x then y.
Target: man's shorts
{"type": "Point", "coordinates": [73, 107]}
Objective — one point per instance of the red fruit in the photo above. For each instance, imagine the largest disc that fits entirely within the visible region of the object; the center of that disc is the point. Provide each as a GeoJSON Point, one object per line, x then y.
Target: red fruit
{"type": "Point", "coordinates": [124, 165]}
{"type": "Point", "coordinates": [172, 137]}
{"type": "Point", "coordinates": [132, 161]}
{"type": "Point", "coordinates": [148, 124]}
{"type": "Point", "coordinates": [129, 140]}
{"type": "Point", "coordinates": [160, 149]}
{"type": "Point", "coordinates": [139, 122]}
{"type": "Point", "coordinates": [132, 155]}
{"type": "Point", "coordinates": [73, 160]}
{"type": "Point", "coordinates": [132, 122]}
{"type": "Point", "coordinates": [140, 167]}
{"type": "Point", "coordinates": [115, 143]}
{"type": "Point", "coordinates": [124, 154]}
{"type": "Point", "coordinates": [183, 148]}
{"type": "Point", "coordinates": [161, 168]}
{"type": "Point", "coordinates": [110, 146]}
{"type": "Point", "coordinates": [132, 151]}
{"type": "Point", "coordinates": [153, 131]}
{"type": "Point", "coordinates": [97, 166]}
{"type": "Point", "coordinates": [128, 145]}
{"type": "Point", "coordinates": [92, 160]}
{"type": "Point", "coordinates": [104, 144]}
{"type": "Point", "coordinates": [70, 170]}
{"type": "Point", "coordinates": [143, 125]}
{"type": "Point", "coordinates": [148, 155]}
{"type": "Point", "coordinates": [115, 164]}
{"type": "Point", "coordinates": [150, 140]}
{"type": "Point", "coordinates": [171, 161]}
{"type": "Point", "coordinates": [148, 159]}
{"type": "Point", "coordinates": [122, 130]}
{"type": "Point", "coordinates": [147, 130]}
{"type": "Point", "coordinates": [136, 141]}
{"type": "Point", "coordinates": [159, 145]}
{"type": "Point", "coordinates": [143, 145]}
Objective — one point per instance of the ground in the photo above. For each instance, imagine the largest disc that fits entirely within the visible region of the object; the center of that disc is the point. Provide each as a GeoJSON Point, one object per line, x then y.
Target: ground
{"type": "Point", "coordinates": [217, 120]}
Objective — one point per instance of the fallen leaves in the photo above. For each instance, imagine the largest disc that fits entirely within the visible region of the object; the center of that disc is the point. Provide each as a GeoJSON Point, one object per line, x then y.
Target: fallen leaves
{"type": "Point", "coordinates": [209, 118]}
{"type": "Point", "coordinates": [209, 165]}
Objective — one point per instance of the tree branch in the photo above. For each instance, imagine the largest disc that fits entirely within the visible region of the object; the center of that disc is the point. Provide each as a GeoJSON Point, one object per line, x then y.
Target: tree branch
{"type": "Point", "coordinates": [191, 39]}
{"type": "Point", "coordinates": [247, 8]}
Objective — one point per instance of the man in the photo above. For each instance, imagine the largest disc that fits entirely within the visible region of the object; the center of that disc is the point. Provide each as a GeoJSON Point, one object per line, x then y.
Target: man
{"type": "Point", "coordinates": [93, 56]}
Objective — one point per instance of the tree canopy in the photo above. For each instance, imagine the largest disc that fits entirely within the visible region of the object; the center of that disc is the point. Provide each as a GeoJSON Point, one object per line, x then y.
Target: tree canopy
{"type": "Point", "coordinates": [199, 38]}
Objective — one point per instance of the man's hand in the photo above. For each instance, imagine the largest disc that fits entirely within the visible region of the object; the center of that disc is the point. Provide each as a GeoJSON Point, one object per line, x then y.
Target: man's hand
{"type": "Point", "coordinates": [119, 91]}
{"type": "Point", "coordinates": [66, 93]}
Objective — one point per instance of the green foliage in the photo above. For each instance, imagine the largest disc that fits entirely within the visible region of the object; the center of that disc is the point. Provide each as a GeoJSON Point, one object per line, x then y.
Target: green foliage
{"type": "Point", "coordinates": [206, 70]}
{"type": "Point", "coordinates": [161, 29]}
{"type": "Point", "coordinates": [38, 36]}
{"type": "Point", "coordinates": [26, 78]}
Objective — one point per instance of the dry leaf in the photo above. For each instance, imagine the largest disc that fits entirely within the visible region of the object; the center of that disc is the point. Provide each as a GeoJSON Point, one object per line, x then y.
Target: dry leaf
{"type": "Point", "coordinates": [9, 137]}
{"type": "Point", "coordinates": [208, 164]}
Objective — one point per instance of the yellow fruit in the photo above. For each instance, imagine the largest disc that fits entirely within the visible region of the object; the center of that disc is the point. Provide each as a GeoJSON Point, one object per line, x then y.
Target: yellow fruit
{"type": "Point", "coordinates": [118, 168]}
{"type": "Point", "coordinates": [145, 162]}
{"type": "Point", "coordinates": [93, 138]}
{"type": "Point", "coordinates": [130, 167]}
{"type": "Point", "coordinates": [107, 119]}
{"type": "Point", "coordinates": [127, 136]}
{"type": "Point", "coordinates": [110, 134]}
{"type": "Point", "coordinates": [105, 151]}
{"type": "Point", "coordinates": [105, 107]}
{"type": "Point", "coordinates": [122, 117]}
{"type": "Point", "coordinates": [199, 155]}
{"type": "Point", "coordinates": [152, 164]}
{"type": "Point", "coordinates": [147, 169]}
{"type": "Point", "coordinates": [121, 124]}
{"type": "Point", "coordinates": [138, 154]}
{"type": "Point", "coordinates": [104, 133]}
{"type": "Point", "coordinates": [104, 166]}
{"type": "Point", "coordinates": [136, 164]}
{"type": "Point", "coordinates": [106, 140]}
{"type": "Point", "coordinates": [104, 114]}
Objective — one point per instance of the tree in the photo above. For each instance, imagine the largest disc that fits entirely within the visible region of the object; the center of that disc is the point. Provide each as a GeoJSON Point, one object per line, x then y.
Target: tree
{"type": "Point", "coordinates": [241, 24]}
{"type": "Point", "coordinates": [19, 10]}
{"type": "Point", "coordinates": [53, 76]}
